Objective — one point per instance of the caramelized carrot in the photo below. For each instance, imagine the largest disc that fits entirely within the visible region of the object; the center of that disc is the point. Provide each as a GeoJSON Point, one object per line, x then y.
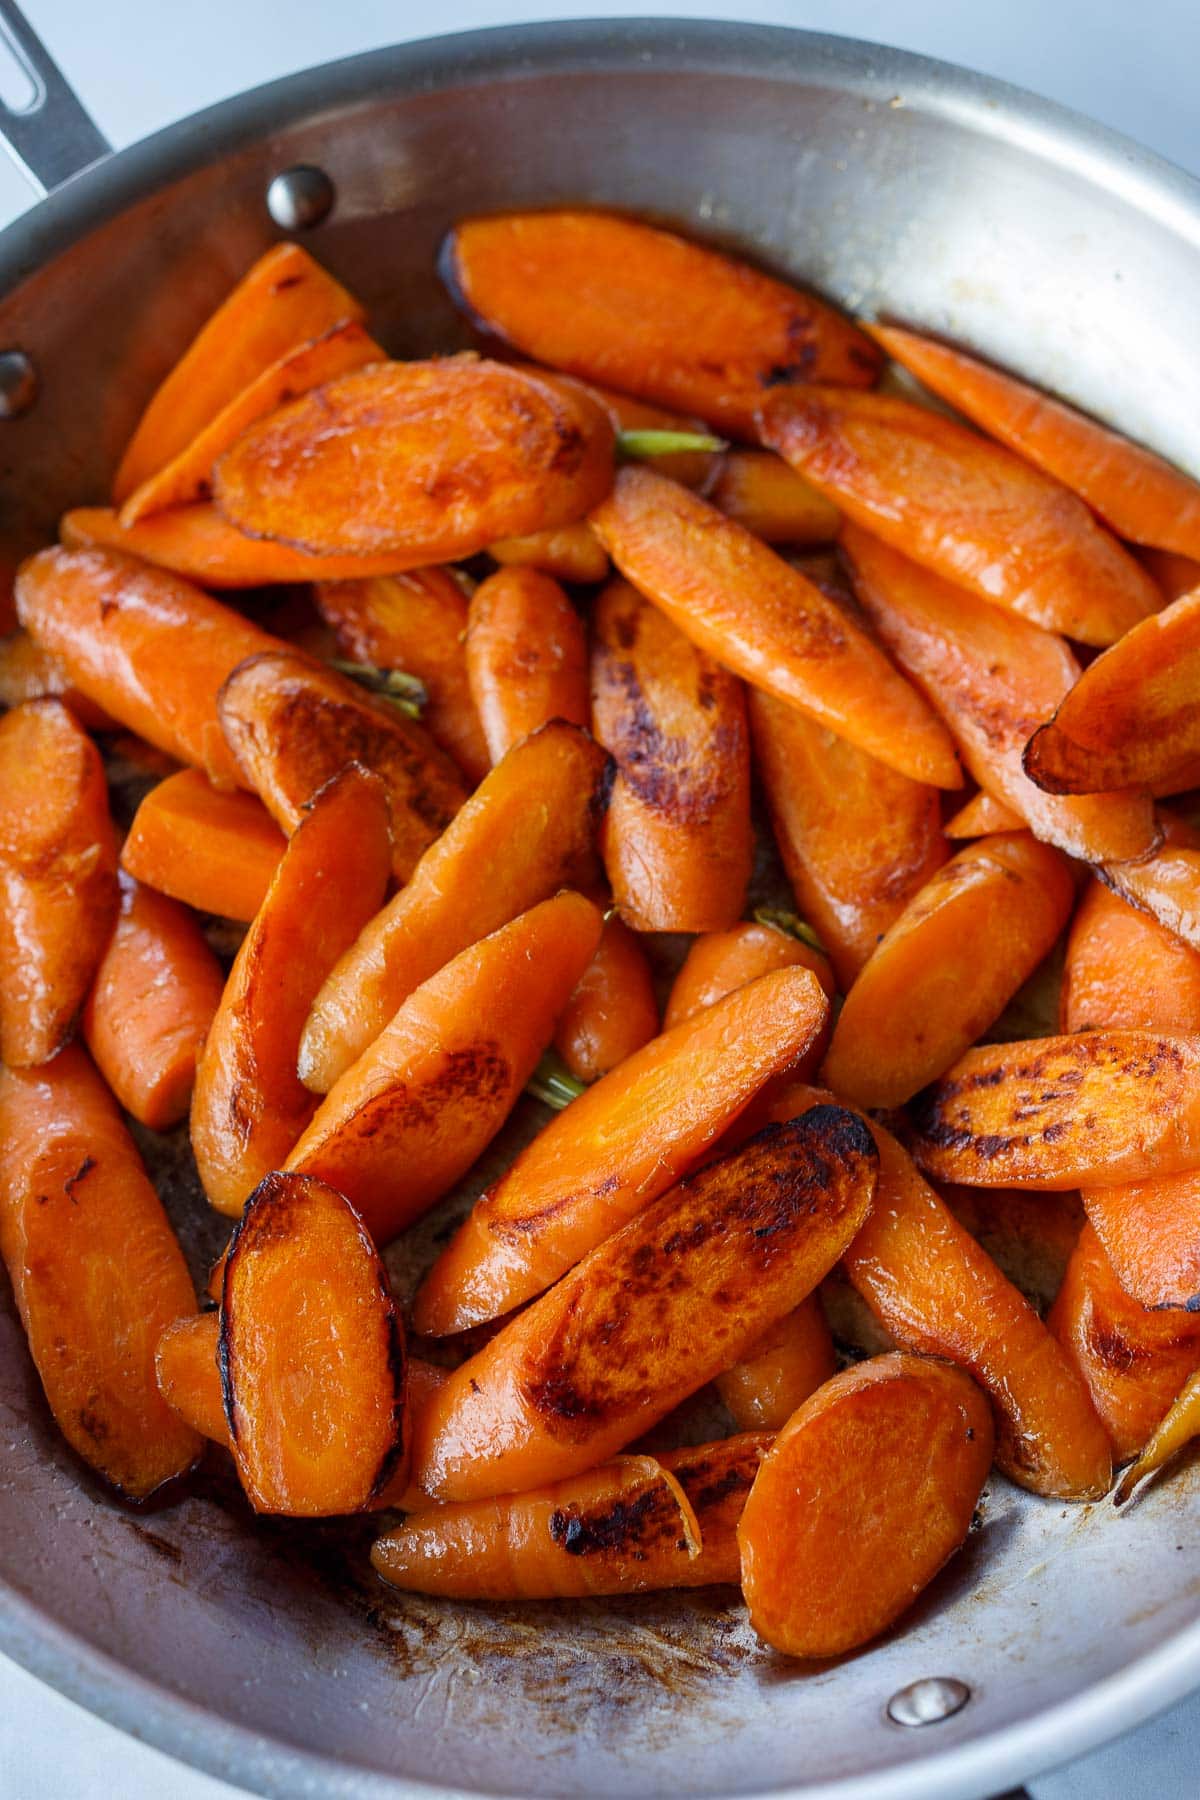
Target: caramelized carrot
{"type": "Point", "coordinates": [612, 1010]}
{"type": "Point", "coordinates": [760, 491]}
{"type": "Point", "coordinates": [95, 1268]}
{"type": "Point", "coordinates": [778, 1373]}
{"type": "Point", "coordinates": [963, 508]}
{"type": "Point", "coordinates": [214, 851]}
{"type": "Point", "coordinates": [569, 553]}
{"type": "Point", "coordinates": [765, 621]}
{"type": "Point", "coordinates": [1167, 884]}
{"type": "Point", "coordinates": [526, 656]}
{"type": "Point", "coordinates": [188, 1375]}
{"type": "Point", "coordinates": [981, 816]}
{"type": "Point", "coordinates": [249, 1106]}
{"type": "Point", "coordinates": [28, 671]}
{"type": "Point", "coordinates": [720, 961]}
{"type": "Point", "coordinates": [676, 840]}
{"type": "Point", "coordinates": [152, 1003]}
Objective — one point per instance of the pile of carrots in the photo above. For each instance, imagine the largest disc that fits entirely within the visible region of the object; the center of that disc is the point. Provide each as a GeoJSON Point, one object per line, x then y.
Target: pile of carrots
{"type": "Point", "coordinates": [510, 640]}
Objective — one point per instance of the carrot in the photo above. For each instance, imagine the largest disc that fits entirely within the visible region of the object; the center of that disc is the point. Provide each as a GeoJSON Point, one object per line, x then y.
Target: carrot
{"type": "Point", "coordinates": [95, 1268]}
{"type": "Point", "coordinates": [963, 508]}
{"type": "Point", "coordinates": [214, 851]}
{"type": "Point", "coordinates": [249, 1107]}
{"type": "Point", "coordinates": [830, 1559]}
{"type": "Point", "coordinates": [760, 491]}
{"type": "Point", "coordinates": [981, 817]}
{"type": "Point", "coordinates": [526, 656]}
{"type": "Point", "coordinates": [1028, 1235]}
{"type": "Point", "coordinates": [28, 671]}
{"type": "Point", "coordinates": [612, 1011]}
{"type": "Point", "coordinates": [994, 678]}
{"type": "Point", "coordinates": [636, 1523]}
{"type": "Point", "coordinates": [292, 725]}
{"type": "Point", "coordinates": [58, 877]}
{"type": "Point", "coordinates": [1138, 494]}
{"type": "Point", "coordinates": [569, 553]}
{"type": "Point", "coordinates": [412, 1114]}
{"type": "Point", "coordinates": [948, 967]}
{"type": "Point", "coordinates": [693, 468]}
{"type": "Point", "coordinates": [154, 998]}
{"type": "Point", "coordinates": [857, 838]}
{"type": "Point", "coordinates": [721, 961]}
{"type": "Point", "coordinates": [1177, 1430]}
{"type": "Point", "coordinates": [740, 602]}
{"type": "Point", "coordinates": [311, 1352]}
{"type": "Point", "coordinates": [610, 299]}
{"type": "Point", "coordinates": [1167, 884]}
{"type": "Point", "coordinates": [617, 1148]}
{"type": "Point", "coordinates": [1174, 575]}
{"type": "Point", "coordinates": [116, 625]}
{"type": "Point", "coordinates": [499, 856]}
{"type": "Point", "coordinates": [415, 622]}
{"type": "Point", "coordinates": [188, 1375]}
{"type": "Point", "coordinates": [778, 1373]}
{"type": "Point", "coordinates": [677, 840]}
{"type": "Point", "coordinates": [651, 1314]}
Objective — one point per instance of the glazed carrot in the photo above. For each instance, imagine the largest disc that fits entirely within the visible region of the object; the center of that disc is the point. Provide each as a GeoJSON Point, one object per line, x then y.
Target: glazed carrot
{"type": "Point", "coordinates": [720, 961]}
{"type": "Point", "coordinates": [1138, 494]}
{"type": "Point", "coordinates": [617, 1148]}
{"type": "Point", "coordinates": [569, 553]}
{"type": "Point", "coordinates": [412, 1114]}
{"type": "Point", "coordinates": [95, 1268]}
{"type": "Point", "coordinates": [994, 678]}
{"type": "Point", "coordinates": [58, 877]}
{"type": "Point", "coordinates": [760, 491]}
{"type": "Point", "coordinates": [981, 816]}
{"type": "Point", "coordinates": [154, 998]}
{"type": "Point", "coordinates": [212, 850]}
{"type": "Point", "coordinates": [117, 626]}
{"type": "Point", "coordinates": [677, 840]}
{"type": "Point", "coordinates": [499, 856]}
{"type": "Point", "coordinates": [526, 653]}
{"type": "Point", "coordinates": [778, 1373]}
{"type": "Point", "coordinates": [417, 623]}
{"type": "Point", "coordinates": [740, 602]}
{"type": "Point", "coordinates": [292, 725]}
{"type": "Point", "coordinates": [189, 1379]}
{"type": "Point", "coordinates": [1174, 575]}
{"type": "Point", "coordinates": [1177, 1430]}
{"type": "Point", "coordinates": [249, 1107]}
{"type": "Point", "coordinates": [613, 300]}
{"type": "Point", "coordinates": [612, 1010]}
{"type": "Point", "coordinates": [283, 300]}
{"type": "Point", "coordinates": [1167, 884]}
{"type": "Point", "coordinates": [311, 1354]}
{"type": "Point", "coordinates": [1028, 1235]}
{"type": "Point", "coordinates": [947, 968]}
{"type": "Point", "coordinates": [432, 460]}
{"type": "Point", "coordinates": [651, 1314]}
{"type": "Point", "coordinates": [963, 508]}
{"type": "Point", "coordinates": [619, 1529]}
{"type": "Point", "coordinates": [857, 838]}
{"type": "Point", "coordinates": [832, 1555]}
{"type": "Point", "coordinates": [28, 671]}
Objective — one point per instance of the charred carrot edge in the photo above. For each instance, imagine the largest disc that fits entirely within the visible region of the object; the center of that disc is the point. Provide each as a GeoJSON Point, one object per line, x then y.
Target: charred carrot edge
{"type": "Point", "coordinates": [613, 1009]}
{"type": "Point", "coordinates": [214, 851]}
{"type": "Point", "coordinates": [981, 816]}
{"type": "Point", "coordinates": [526, 657]}
{"type": "Point", "coordinates": [780, 1371]}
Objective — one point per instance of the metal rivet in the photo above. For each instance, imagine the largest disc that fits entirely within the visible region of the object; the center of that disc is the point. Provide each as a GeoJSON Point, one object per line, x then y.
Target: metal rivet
{"type": "Point", "coordinates": [929, 1701]}
{"type": "Point", "coordinates": [300, 198]}
{"type": "Point", "coordinates": [18, 383]}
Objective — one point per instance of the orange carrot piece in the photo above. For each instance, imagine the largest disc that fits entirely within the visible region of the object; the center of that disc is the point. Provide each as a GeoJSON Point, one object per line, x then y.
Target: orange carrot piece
{"type": "Point", "coordinates": [778, 1373]}
{"type": "Point", "coordinates": [569, 553]}
{"type": "Point", "coordinates": [720, 961]}
{"type": "Point", "coordinates": [189, 1377]}
{"type": "Point", "coordinates": [740, 602]}
{"type": "Point", "coordinates": [617, 1148]}
{"type": "Point", "coordinates": [214, 851]}
{"type": "Point", "coordinates": [612, 1011]}
{"type": "Point", "coordinates": [28, 671]}
{"type": "Point", "coordinates": [768, 497]}
{"type": "Point", "coordinates": [1177, 1430]}
{"type": "Point", "coordinates": [981, 817]}
{"type": "Point", "coordinates": [95, 1268]}
{"type": "Point", "coordinates": [526, 655]}
{"type": "Point", "coordinates": [1174, 575]}
{"type": "Point", "coordinates": [1167, 884]}
{"type": "Point", "coordinates": [677, 840]}
{"type": "Point", "coordinates": [1029, 1236]}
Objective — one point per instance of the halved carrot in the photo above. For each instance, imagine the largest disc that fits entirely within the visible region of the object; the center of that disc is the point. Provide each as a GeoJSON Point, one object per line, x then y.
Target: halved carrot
{"type": "Point", "coordinates": [1177, 1430]}
{"type": "Point", "coordinates": [651, 1314]}
{"type": "Point", "coordinates": [249, 1107]}
{"type": "Point", "coordinates": [981, 816]}
{"type": "Point", "coordinates": [412, 1114]}
{"type": "Point", "coordinates": [292, 725]}
{"type": "Point", "coordinates": [964, 508]}
{"type": "Point", "coordinates": [58, 877]}
{"type": "Point", "coordinates": [948, 967]}
{"type": "Point", "coordinates": [617, 1148]}
{"type": "Point", "coordinates": [189, 1376]}
{"type": "Point", "coordinates": [740, 602]}
{"type": "Point", "coordinates": [1174, 575]}
{"type": "Point", "coordinates": [1133, 490]}
{"type": "Point", "coordinates": [1166, 884]}
{"type": "Point", "coordinates": [95, 1268]}
{"type": "Point", "coordinates": [778, 1373]}
{"type": "Point", "coordinates": [994, 678]}
{"type": "Point", "coordinates": [568, 552]}
{"type": "Point", "coordinates": [28, 671]}
{"type": "Point", "coordinates": [867, 1491]}
{"type": "Point", "coordinates": [614, 300]}
{"type": "Point", "coordinates": [214, 851]}
{"type": "Point", "coordinates": [152, 1004]}
{"type": "Point", "coordinates": [526, 657]}
{"type": "Point", "coordinates": [311, 1353]}
{"type": "Point", "coordinates": [761, 491]}
{"type": "Point", "coordinates": [499, 856]}
{"type": "Point", "coordinates": [857, 838]}
{"type": "Point", "coordinates": [720, 961]}
{"type": "Point", "coordinates": [677, 840]}
{"type": "Point", "coordinates": [612, 1011]}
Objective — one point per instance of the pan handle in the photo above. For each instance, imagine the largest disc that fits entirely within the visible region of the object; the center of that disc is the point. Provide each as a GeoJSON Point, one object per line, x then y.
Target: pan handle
{"type": "Point", "coordinates": [52, 136]}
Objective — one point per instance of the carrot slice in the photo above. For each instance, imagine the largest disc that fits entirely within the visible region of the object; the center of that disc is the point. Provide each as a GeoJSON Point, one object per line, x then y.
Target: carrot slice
{"type": "Point", "coordinates": [1167, 884]}
{"type": "Point", "coordinates": [249, 1107]}
{"type": "Point", "coordinates": [721, 961]}
{"type": "Point", "coordinates": [778, 1373]}
{"type": "Point", "coordinates": [189, 1376]}
{"type": "Point", "coordinates": [964, 508]}
{"type": "Point", "coordinates": [526, 656]}
{"type": "Point", "coordinates": [95, 1268]}
{"type": "Point", "coordinates": [612, 1011]}
{"type": "Point", "coordinates": [765, 621]}
{"type": "Point", "coordinates": [212, 850]}
{"type": "Point", "coordinates": [569, 553]}
{"type": "Point", "coordinates": [830, 1560]}
{"type": "Point", "coordinates": [981, 816]}
{"type": "Point", "coordinates": [28, 671]}
{"type": "Point", "coordinates": [994, 678]}
{"type": "Point", "coordinates": [761, 491]}
{"type": "Point", "coordinates": [651, 1314]}
{"type": "Point", "coordinates": [676, 840]}
{"type": "Point", "coordinates": [613, 300]}
{"type": "Point", "coordinates": [617, 1148]}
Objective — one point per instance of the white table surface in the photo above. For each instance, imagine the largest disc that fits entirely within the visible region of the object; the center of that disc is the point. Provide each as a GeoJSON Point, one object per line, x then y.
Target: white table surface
{"type": "Point", "coordinates": [139, 64]}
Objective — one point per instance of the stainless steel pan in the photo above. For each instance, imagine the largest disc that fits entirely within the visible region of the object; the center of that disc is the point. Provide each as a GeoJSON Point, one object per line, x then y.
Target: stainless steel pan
{"type": "Point", "coordinates": [892, 183]}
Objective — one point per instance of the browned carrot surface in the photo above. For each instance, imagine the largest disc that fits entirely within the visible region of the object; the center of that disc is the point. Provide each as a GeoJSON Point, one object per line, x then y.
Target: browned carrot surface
{"type": "Point", "coordinates": [612, 1010]}
{"type": "Point", "coordinates": [778, 1373]}
{"type": "Point", "coordinates": [721, 961]}
{"type": "Point", "coordinates": [763, 493]}
{"type": "Point", "coordinates": [981, 816]}
{"type": "Point", "coordinates": [28, 671]}
{"type": "Point", "coordinates": [568, 552]}
{"type": "Point", "coordinates": [215, 851]}
{"type": "Point", "coordinates": [526, 657]}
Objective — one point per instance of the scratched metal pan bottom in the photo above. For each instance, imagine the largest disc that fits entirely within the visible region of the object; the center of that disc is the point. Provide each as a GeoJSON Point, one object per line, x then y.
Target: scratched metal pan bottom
{"type": "Point", "coordinates": [264, 1653]}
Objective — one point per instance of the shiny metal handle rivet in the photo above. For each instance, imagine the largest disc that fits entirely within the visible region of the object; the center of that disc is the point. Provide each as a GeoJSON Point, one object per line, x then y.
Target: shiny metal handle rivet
{"type": "Point", "coordinates": [928, 1702]}
{"type": "Point", "coordinates": [18, 383]}
{"type": "Point", "coordinates": [300, 198]}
